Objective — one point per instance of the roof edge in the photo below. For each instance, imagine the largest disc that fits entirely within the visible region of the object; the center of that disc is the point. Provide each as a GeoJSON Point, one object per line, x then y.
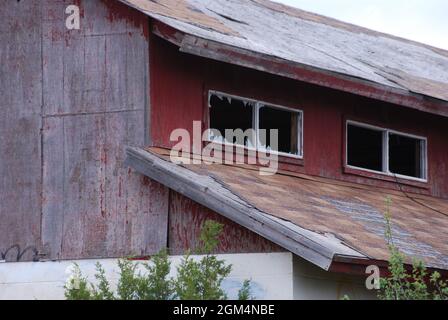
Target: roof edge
{"type": "Point", "coordinates": [357, 266]}
{"type": "Point", "coordinates": [218, 51]}
{"type": "Point", "coordinates": [311, 246]}
{"type": "Point", "coordinates": [191, 44]}
{"type": "Point", "coordinates": [339, 23]}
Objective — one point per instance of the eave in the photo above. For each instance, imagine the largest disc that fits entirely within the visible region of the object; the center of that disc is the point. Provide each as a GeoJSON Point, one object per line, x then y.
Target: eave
{"type": "Point", "coordinates": [209, 49]}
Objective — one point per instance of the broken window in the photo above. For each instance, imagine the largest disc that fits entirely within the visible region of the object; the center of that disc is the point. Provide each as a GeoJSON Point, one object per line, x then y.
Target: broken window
{"type": "Point", "coordinates": [386, 151]}
{"type": "Point", "coordinates": [227, 113]}
{"type": "Point", "coordinates": [230, 112]}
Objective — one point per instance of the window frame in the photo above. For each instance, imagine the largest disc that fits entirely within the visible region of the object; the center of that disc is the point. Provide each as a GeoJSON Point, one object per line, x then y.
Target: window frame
{"type": "Point", "coordinates": [258, 104]}
{"type": "Point", "coordinates": [385, 148]}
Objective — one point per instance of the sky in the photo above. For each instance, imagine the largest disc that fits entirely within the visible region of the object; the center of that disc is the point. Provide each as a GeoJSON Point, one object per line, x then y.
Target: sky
{"type": "Point", "coordinates": [420, 20]}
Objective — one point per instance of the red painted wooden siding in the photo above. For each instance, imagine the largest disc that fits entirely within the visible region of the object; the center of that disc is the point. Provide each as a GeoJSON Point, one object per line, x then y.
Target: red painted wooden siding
{"type": "Point", "coordinates": [186, 218]}
{"type": "Point", "coordinates": [179, 83]}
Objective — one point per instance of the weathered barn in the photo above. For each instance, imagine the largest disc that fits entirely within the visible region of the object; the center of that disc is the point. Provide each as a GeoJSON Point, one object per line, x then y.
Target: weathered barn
{"type": "Point", "coordinates": [362, 117]}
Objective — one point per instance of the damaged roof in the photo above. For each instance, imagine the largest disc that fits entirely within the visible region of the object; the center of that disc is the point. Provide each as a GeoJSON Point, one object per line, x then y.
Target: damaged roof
{"type": "Point", "coordinates": [276, 38]}
{"type": "Point", "coordinates": [318, 219]}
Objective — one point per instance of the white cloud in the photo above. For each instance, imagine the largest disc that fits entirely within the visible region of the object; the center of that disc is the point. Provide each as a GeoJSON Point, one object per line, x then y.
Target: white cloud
{"type": "Point", "coordinates": [420, 20]}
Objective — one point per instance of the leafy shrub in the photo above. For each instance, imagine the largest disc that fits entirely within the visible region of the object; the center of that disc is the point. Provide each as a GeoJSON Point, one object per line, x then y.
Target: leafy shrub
{"type": "Point", "coordinates": [201, 280]}
{"type": "Point", "coordinates": [404, 285]}
{"type": "Point", "coordinates": [244, 293]}
{"type": "Point", "coordinates": [196, 279]}
{"type": "Point", "coordinates": [77, 286]}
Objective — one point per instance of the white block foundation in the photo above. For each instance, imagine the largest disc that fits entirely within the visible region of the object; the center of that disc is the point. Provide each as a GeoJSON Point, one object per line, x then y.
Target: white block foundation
{"type": "Point", "coordinates": [271, 275]}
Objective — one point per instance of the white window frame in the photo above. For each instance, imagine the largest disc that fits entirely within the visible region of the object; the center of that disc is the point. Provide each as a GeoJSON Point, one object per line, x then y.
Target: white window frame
{"type": "Point", "coordinates": [257, 105]}
{"type": "Point", "coordinates": [385, 145]}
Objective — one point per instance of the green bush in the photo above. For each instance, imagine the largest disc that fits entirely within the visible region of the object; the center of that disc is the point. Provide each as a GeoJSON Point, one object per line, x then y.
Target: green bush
{"type": "Point", "coordinates": [201, 280]}
{"type": "Point", "coordinates": [77, 286]}
{"type": "Point", "coordinates": [402, 284]}
{"type": "Point", "coordinates": [244, 293]}
{"type": "Point", "coordinates": [196, 279]}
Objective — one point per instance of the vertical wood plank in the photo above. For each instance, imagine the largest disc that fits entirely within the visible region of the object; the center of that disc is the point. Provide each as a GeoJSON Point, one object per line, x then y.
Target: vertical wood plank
{"type": "Point", "coordinates": [116, 63]}
{"type": "Point", "coordinates": [95, 105]}
{"type": "Point", "coordinates": [53, 188]}
{"type": "Point", "coordinates": [20, 123]}
{"type": "Point", "coordinates": [71, 101]}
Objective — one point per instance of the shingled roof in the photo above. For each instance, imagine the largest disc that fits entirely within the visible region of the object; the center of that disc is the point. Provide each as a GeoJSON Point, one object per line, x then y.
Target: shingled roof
{"type": "Point", "coordinates": [287, 41]}
{"type": "Point", "coordinates": [320, 220]}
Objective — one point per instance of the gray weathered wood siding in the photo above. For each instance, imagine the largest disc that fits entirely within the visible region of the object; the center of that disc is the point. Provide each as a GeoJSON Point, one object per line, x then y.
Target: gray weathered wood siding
{"type": "Point", "coordinates": [71, 100]}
